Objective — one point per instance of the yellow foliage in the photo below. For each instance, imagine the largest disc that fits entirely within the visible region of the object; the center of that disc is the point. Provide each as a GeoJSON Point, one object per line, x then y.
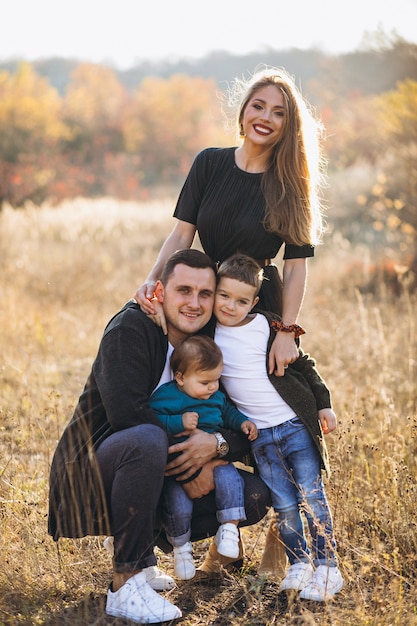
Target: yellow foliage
{"type": "Point", "coordinates": [393, 221]}
{"type": "Point", "coordinates": [181, 113]}
{"type": "Point", "coordinates": [397, 110]}
{"type": "Point", "coordinates": [30, 105]}
{"type": "Point", "coordinates": [94, 97]}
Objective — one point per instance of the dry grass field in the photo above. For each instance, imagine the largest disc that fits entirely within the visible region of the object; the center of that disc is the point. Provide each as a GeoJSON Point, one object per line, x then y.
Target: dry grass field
{"type": "Point", "coordinates": [64, 272]}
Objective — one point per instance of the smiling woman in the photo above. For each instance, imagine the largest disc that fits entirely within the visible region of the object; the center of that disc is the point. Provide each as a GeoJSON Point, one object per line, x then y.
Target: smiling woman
{"type": "Point", "coordinates": [263, 119]}
{"type": "Point", "coordinates": [256, 198]}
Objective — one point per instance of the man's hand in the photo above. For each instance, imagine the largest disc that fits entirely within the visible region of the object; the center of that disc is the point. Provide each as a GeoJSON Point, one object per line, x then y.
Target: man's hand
{"type": "Point", "coordinates": [196, 451]}
{"type": "Point", "coordinates": [204, 483]}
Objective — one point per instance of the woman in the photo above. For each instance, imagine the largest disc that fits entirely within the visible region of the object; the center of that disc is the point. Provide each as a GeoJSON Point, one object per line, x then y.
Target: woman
{"type": "Point", "coordinates": [256, 197]}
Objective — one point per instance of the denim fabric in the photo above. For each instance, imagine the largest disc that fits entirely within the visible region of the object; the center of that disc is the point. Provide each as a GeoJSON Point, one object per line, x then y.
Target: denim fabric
{"type": "Point", "coordinates": [132, 465]}
{"type": "Point", "coordinates": [177, 507]}
{"type": "Point", "coordinates": [230, 503]}
{"type": "Point", "coordinates": [289, 463]}
{"type": "Point", "coordinates": [257, 502]}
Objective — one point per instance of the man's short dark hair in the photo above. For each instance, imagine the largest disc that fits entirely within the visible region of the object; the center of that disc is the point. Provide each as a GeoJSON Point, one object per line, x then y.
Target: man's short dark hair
{"type": "Point", "coordinates": [190, 257]}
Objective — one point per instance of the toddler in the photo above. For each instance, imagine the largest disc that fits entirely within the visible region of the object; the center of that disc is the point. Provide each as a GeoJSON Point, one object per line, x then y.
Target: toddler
{"type": "Point", "coordinates": [193, 400]}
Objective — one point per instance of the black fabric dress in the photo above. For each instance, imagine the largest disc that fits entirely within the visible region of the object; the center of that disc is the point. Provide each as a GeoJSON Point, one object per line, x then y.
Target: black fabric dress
{"type": "Point", "coordinates": [227, 206]}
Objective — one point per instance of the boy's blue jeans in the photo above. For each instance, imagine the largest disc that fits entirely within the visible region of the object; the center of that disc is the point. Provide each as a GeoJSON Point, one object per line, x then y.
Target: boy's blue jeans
{"type": "Point", "coordinates": [289, 463]}
{"type": "Point", "coordinates": [177, 507]}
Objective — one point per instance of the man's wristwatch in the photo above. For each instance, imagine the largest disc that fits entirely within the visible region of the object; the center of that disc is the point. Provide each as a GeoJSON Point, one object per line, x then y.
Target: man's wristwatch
{"type": "Point", "coordinates": [222, 445]}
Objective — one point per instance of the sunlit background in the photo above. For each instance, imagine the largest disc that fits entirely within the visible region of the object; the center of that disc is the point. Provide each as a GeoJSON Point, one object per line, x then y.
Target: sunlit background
{"type": "Point", "coordinates": [128, 31]}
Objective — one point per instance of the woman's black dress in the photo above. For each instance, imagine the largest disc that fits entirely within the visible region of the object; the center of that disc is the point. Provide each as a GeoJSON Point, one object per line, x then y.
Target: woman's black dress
{"type": "Point", "coordinates": [227, 206]}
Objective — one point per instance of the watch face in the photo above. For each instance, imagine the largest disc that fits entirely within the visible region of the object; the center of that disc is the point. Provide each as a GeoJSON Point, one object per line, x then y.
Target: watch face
{"type": "Point", "coordinates": [222, 445]}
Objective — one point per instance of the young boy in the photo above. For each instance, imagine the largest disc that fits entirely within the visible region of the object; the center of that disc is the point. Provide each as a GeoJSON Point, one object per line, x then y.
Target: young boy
{"type": "Point", "coordinates": [193, 400]}
{"type": "Point", "coordinates": [291, 412]}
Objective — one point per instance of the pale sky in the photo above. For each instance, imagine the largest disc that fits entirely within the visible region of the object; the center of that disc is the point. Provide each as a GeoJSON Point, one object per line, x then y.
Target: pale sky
{"type": "Point", "coordinates": [123, 32]}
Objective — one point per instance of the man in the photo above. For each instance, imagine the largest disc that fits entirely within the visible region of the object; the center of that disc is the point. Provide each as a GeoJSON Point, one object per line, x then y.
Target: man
{"type": "Point", "coordinates": [108, 469]}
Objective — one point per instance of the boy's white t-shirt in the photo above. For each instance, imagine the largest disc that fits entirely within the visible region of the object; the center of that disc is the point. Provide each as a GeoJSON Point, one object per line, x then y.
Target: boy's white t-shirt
{"type": "Point", "coordinates": [245, 375]}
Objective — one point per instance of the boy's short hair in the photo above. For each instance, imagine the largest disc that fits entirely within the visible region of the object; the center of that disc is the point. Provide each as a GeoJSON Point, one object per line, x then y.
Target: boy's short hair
{"type": "Point", "coordinates": [243, 268]}
{"type": "Point", "coordinates": [198, 352]}
{"type": "Point", "coordinates": [190, 257]}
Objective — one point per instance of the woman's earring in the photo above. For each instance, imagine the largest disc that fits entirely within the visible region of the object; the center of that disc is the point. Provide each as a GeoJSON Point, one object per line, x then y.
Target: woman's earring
{"type": "Point", "coordinates": [242, 132]}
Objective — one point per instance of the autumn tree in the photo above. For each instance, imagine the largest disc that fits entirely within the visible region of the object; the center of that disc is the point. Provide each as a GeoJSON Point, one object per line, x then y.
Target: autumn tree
{"type": "Point", "coordinates": [92, 109]}
{"type": "Point", "coordinates": [30, 131]}
{"type": "Point", "coordinates": [352, 134]}
{"type": "Point", "coordinates": [389, 207]}
{"type": "Point", "coordinates": [168, 122]}
{"type": "Point", "coordinates": [397, 117]}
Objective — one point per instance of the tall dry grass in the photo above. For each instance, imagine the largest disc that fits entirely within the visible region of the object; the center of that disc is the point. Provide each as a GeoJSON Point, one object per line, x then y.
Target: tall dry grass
{"type": "Point", "coordinates": [64, 272]}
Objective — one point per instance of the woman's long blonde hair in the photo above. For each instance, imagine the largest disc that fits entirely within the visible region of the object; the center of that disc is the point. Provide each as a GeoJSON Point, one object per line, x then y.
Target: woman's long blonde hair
{"type": "Point", "coordinates": [292, 182]}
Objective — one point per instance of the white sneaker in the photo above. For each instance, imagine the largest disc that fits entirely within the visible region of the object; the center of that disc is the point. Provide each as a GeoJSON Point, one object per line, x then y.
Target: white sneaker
{"type": "Point", "coordinates": [184, 567]}
{"type": "Point", "coordinates": [137, 601]}
{"type": "Point", "coordinates": [227, 540]}
{"type": "Point", "coordinates": [108, 544]}
{"type": "Point", "coordinates": [298, 576]}
{"type": "Point", "coordinates": [158, 580]}
{"type": "Point", "coordinates": [325, 583]}
{"type": "Point", "coordinates": [154, 577]}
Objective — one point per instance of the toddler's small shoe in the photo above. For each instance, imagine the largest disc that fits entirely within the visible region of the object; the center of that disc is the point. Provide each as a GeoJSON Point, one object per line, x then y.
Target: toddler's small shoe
{"type": "Point", "coordinates": [227, 540]}
{"type": "Point", "coordinates": [184, 567]}
{"type": "Point", "coordinates": [138, 602]}
{"type": "Point", "coordinates": [326, 582]}
{"type": "Point", "coordinates": [298, 576]}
